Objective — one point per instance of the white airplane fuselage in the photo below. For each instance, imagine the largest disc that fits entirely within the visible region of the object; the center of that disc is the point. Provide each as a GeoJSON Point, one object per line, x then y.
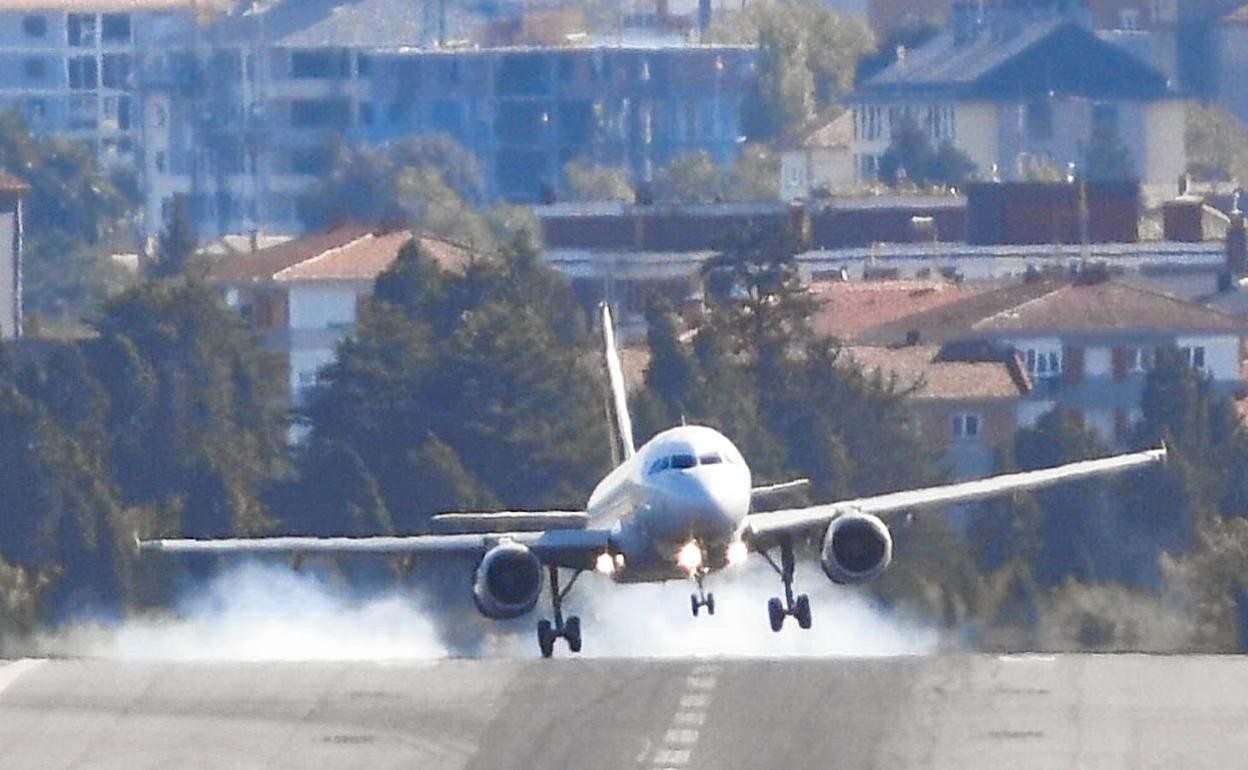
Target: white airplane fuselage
{"type": "Point", "coordinates": [686, 485]}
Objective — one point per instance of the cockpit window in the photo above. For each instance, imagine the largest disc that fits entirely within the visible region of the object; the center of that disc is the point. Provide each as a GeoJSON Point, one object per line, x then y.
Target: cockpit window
{"type": "Point", "coordinates": [660, 464]}
{"type": "Point", "coordinates": [684, 461]}
{"type": "Point", "coordinates": [711, 458]}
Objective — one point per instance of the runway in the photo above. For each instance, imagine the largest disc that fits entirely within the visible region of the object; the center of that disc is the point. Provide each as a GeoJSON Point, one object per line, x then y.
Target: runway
{"type": "Point", "coordinates": [909, 712]}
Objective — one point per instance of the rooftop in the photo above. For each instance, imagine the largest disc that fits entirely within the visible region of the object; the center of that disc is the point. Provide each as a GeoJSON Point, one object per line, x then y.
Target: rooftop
{"type": "Point", "coordinates": [851, 307]}
{"type": "Point", "coordinates": [937, 378]}
{"type": "Point", "coordinates": [1044, 56]}
{"type": "Point", "coordinates": [12, 184]}
{"type": "Point", "coordinates": [1058, 306]}
{"type": "Point", "coordinates": [12, 6]}
{"type": "Point", "coordinates": [349, 253]}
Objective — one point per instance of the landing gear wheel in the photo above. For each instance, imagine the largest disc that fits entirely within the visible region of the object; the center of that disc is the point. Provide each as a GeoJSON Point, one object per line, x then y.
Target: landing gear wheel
{"type": "Point", "coordinates": [545, 638]}
{"type": "Point", "coordinates": [694, 605]}
{"type": "Point", "coordinates": [710, 604]}
{"type": "Point", "coordinates": [775, 613]}
{"type": "Point", "coordinates": [572, 632]}
{"type": "Point", "coordinates": [801, 611]}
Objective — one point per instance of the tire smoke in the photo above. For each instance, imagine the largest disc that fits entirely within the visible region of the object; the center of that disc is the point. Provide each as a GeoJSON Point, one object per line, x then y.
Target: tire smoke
{"type": "Point", "coordinates": [266, 612]}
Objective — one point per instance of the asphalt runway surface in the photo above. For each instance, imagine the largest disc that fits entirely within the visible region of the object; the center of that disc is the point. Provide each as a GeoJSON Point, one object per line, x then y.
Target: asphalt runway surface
{"type": "Point", "coordinates": [922, 712]}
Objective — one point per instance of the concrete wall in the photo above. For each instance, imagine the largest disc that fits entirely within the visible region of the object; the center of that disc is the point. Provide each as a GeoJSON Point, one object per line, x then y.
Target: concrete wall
{"type": "Point", "coordinates": [8, 262]}
{"type": "Point", "coordinates": [322, 305]}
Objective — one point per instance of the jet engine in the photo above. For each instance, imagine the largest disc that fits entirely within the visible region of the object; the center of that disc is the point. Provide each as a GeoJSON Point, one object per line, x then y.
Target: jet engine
{"type": "Point", "coordinates": [507, 581]}
{"type": "Point", "coordinates": [856, 548]}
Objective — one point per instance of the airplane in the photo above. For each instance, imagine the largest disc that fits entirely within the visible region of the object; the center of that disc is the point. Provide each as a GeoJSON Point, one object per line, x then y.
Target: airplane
{"type": "Point", "coordinates": [679, 507]}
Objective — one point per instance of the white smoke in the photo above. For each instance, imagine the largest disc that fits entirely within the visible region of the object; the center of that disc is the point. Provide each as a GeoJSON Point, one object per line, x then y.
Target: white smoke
{"type": "Point", "coordinates": [257, 612]}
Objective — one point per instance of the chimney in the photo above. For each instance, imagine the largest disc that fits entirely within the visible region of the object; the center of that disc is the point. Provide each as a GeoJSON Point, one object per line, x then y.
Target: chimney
{"type": "Point", "coordinates": [1236, 242]}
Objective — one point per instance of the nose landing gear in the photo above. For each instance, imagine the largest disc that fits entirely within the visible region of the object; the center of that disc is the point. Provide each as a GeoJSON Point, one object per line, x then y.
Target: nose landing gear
{"type": "Point", "coordinates": [570, 630]}
{"type": "Point", "coordinates": [701, 598]}
{"type": "Point", "coordinates": [798, 607]}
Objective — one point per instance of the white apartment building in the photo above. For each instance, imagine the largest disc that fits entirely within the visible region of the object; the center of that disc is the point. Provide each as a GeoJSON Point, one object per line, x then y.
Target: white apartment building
{"type": "Point", "coordinates": [70, 66]}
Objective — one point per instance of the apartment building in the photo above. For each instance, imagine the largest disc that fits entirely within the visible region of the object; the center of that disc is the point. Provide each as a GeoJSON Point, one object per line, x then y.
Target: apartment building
{"type": "Point", "coordinates": [239, 116]}
{"type": "Point", "coordinates": [12, 190]}
{"type": "Point", "coordinates": [69, 65]}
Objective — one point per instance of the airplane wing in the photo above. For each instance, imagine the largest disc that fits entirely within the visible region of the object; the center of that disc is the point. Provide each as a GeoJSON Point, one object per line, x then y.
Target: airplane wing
{"type": "Point", "coordinates": [574, 548]}
{"type": "Point", "coordinates": [795, 520]}
{"type": "Point", "coordinates": [768, 491]}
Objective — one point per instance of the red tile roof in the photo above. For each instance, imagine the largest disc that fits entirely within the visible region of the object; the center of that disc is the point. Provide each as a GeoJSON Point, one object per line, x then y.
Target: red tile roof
{"type": "Point", "coordinates": [12, 184]}
{"type": "Point", "coordinates": [347, 253]}
{"type": "Point", "coordinates": [261, 266]}
{"type": "Point", "coordinates": [851, 307]}
{"type": "Point", "coordinates": [939, 379]}
{"type": "Point", "coordinates": [1055, 306]}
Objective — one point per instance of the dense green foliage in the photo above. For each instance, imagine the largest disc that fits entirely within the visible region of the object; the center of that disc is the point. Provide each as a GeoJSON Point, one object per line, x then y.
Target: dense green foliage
{"type": "Point", "coordinates": [459, 391]}
{"type": "Point", "coordinates": [911, 159]}
{"type": "Point", "coordinates": [76, 216]}
{"type": "Point", "coordinates": [807, 59]}
{"type": "Point", "coordinates": [160, 424]}
{"type": "Point", "coordinates": [428, 182]}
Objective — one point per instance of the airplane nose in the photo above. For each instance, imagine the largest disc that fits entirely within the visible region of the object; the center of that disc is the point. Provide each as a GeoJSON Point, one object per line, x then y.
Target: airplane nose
{"type": "Point", "coordinates": [711, 505]}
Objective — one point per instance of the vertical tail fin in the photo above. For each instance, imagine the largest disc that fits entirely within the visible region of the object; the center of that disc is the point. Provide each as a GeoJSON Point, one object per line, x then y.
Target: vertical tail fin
{"type": "Point", "coordinates": [615, 375]}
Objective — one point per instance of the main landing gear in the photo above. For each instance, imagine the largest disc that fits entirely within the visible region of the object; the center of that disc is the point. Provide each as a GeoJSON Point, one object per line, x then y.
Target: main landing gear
{"type": "Point", "coordinates": [798, 608]}
{"type": "Point", "coordinates": [570, 630]}
{"type": "Point", "coordinates": [701, 598]}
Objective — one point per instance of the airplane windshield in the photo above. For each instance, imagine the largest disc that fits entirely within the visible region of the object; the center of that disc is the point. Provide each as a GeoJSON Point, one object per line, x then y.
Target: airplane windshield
{"type": "Point", "coordinates": [684, 461]}
{"type": "Point", "coordinates": [712, 458]}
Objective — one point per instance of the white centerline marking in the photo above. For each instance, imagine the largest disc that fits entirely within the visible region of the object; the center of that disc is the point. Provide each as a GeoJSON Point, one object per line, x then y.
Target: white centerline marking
{"type": "Point", "coordinates": [690, 719]}
{"type": "Point", "coordinates": [700, 682]}
{"type": "Point", "coordinates": [14, 671]}
{"type": "Point", "coordinates": [681, 737]}
{"type": "Point", "coordinates": [672, 757]}
{"type": "Point", "coordinates": [695, 701]}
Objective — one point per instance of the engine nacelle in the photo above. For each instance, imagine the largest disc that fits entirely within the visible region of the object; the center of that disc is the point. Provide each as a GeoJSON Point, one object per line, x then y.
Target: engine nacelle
{"type": "Point", "coordinates": [507, 581]}
{"type": "Point", "coordinates": [856, 548]}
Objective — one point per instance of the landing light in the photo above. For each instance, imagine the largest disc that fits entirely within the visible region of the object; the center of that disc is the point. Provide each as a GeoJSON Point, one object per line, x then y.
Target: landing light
{"type": "Point", "coordinates": [689, 557]}
{"type": "Point", "coordinates": [737, 553]}
{"type": "Point", "coordinates": [604, 564]}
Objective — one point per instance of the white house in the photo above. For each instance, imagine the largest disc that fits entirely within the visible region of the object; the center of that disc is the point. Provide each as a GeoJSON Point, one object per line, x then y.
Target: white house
{"type": "Point", "coordinates": [12, 190]}
{"type": "Point", "coordinates": [819, 160]}
{"type": "Point", "coordinates": [1024, 96]}
{"type": "Point", "coordinates": [304, 295]}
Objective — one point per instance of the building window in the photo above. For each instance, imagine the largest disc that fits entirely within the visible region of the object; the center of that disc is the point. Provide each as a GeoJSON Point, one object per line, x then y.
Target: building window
{"type": "Point", "coordinates": [1043, 364]}
{"type": "Point", "coordinates": [1105, 116]}
{"type": "Point", "coordinates": [80, 30]}
{"type": "Point", "coordinates": [1139, 359]}
{"type": "Point", "coordinates": [83, 72]}
{"type": "Point", "coordinates": [1039, 120]}
{"type": "Point", "coordinates": [35, 26]}
{"type": "Point", "coordinates": [36, 69]}
{"type": "Point", "coordinates": [1129, 19]}
{"type": "Point", "coordinates": [115, 27]}
{"type": "Point", "coordinates": [965, 426]}
{"type": "Point", "coordinates": [1194, 356]}
{"type": "Point", "coordinates": [116, 71]}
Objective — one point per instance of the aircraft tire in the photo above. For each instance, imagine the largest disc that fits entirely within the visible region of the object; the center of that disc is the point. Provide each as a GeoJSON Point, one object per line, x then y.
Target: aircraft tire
{"type": "Point", "coordinates": [545, 638]}
{"type": "Point", "coordinates": [801, 611]}
{"type": "Point", "coordinates": [710, 604]}
{"type": "Point", "coordinates": [572, 632]}
{"type": "Point", "coordinates": [693, 604]}
{"type": "Point", "coordinates": [775, 613]}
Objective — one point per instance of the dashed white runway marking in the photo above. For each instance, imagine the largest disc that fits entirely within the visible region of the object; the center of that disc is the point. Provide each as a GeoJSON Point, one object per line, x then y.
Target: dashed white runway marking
{"type": "Point", "coordinates": [682, 737]}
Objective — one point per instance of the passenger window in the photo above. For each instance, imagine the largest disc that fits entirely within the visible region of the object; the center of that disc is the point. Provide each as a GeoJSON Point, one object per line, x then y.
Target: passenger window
{"type": "Point", "coordinates": [712, 458]}
{"type": "Point", "coordinates": [684, 461]}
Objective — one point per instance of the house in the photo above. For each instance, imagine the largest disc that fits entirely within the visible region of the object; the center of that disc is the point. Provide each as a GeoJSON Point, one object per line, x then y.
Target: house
{"type": "Point", "coordinates": [304, 295]}
{"type": "Point", "coordinates": [12, 190]}
{"type": "Point", "coordinates": [963, 400]}
{"type": "Point", "coordinates": [818, 161]}
{"type": "Point", "coordinates": [1086, 344]}
{"type": "Point", "coordinates": [848, 308]}
{"type": "Point", "coordinates": [1025, 94]}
